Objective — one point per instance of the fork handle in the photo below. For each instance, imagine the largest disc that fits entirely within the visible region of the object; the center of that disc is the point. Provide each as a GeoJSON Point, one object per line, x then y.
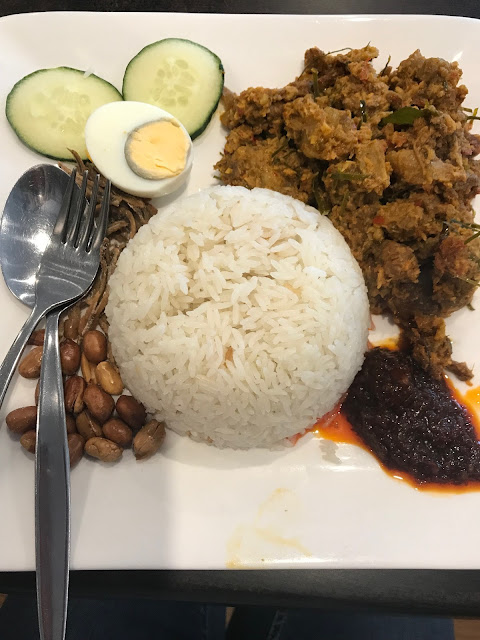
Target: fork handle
{"type": "Point", "coordinates": [10, 361]}
{"type": "Point", "coordinates": [52, 492]}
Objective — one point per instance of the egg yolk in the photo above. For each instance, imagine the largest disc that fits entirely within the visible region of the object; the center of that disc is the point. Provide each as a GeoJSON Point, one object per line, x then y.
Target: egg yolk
{"type": "Point", "coordinates": [157, 150]}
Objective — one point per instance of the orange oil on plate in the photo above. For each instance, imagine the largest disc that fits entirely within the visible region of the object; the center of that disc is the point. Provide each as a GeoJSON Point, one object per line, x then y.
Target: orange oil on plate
{"type": "Point", "coordinates": [388, 343]}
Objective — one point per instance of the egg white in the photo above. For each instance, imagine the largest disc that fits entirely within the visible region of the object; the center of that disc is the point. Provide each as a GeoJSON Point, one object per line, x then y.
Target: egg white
{"type": "Point", "coordinates": [106, 133]}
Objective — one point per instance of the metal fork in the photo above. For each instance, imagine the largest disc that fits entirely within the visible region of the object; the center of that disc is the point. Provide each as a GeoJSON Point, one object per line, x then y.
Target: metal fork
{"type": "Point", "coordinates": [67, 271]}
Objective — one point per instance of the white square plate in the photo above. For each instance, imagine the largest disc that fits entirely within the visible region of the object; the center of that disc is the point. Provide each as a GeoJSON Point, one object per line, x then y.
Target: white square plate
{"type": "Point", "coordinates": [193, 506]}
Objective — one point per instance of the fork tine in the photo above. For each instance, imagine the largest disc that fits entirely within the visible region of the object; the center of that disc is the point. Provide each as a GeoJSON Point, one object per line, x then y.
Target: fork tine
{"type": "Point", "coordinates": [87, 226]}
{"type": "Point", "coordinates": [98, 233]}
{"type": "Point", "coordinates": [76, 213]}
{"type": "Point", "coordinates": [61, 221]}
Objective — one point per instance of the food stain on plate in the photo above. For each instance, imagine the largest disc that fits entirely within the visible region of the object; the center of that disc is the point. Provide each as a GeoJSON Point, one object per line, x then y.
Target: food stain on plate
{"type": "Point", "coordinates": [271, 537]}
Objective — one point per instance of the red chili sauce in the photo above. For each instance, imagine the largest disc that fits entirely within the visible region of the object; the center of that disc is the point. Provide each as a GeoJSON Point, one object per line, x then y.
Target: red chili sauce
{"type": "Point", "coordinates": [419, 428]}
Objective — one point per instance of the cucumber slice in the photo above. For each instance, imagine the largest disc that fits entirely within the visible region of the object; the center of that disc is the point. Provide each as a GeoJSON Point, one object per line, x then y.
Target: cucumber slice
{"type": "Point", "coordinates": [48, 109]}
{"type": "Point", "coordinates": [180, 76]}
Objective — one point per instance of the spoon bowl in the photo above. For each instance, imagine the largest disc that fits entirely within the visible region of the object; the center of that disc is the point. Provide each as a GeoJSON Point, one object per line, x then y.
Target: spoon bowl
{"type": "Point", "coordinates": [27, 225]}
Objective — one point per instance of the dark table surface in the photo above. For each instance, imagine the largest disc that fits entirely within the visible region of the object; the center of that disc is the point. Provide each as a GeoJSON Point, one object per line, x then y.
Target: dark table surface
{"type": "Point", "coordinates": [448, 7]}
{"type": "Point", "coordinates": [415, 591]}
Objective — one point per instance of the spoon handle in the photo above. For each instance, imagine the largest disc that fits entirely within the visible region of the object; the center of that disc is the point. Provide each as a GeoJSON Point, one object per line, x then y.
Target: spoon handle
{"type": "Point", "coordinates": [10, 361]}
{"type": "Point", "coordinates": [52, 492]}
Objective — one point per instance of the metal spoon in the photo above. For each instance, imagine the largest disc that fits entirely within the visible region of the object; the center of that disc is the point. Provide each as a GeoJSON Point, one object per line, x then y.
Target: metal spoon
{"type": "Point", "coordinates": [25, 230]}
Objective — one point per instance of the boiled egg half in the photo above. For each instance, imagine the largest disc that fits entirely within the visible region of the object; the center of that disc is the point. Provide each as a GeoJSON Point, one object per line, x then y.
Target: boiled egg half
{"type": "Point", "coordinates": [142, 149]}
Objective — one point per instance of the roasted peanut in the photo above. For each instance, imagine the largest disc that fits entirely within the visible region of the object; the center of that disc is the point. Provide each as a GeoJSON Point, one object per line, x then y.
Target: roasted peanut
{"type": "Point", "coordinates": [117, 431]}
{"type": "Point", "coordinates": [22, 420]}
{"type": "Point", "coordinates": [70, 325]}
{"type": "Point", "coordinates": [71, 425]}
{"type": "Point", "coordinates": [87, 426]}
{"type": "Point", "coordinates": [103, 449]}
{"type": "Point", "coordinates": [131, 411]}
{"type": "Point", "coordinates": [149, 439]}
{"type": "Point", "coordinates": [74, 390]}
{"type": "Point", "coordinates": [88, 370]}
{"type": "Point", "coordinates": [109, 379]}
{"type": "Point", "coordinates": [76, 444]}
{"type": "Point", "coordinates": [29, 440]}
{"type": "Point", "coordinates": [30, 366]}
{"type": "Point", "coordinates": [37, 338]}
{"type": "Point", "coordinates": [95, 346]}
{"type": "Point", "coordinates": [37, 392]}
{"type": "Point", "coordinates": [99, 403]}
{"type": "Point", "coordinates": [69, 356]}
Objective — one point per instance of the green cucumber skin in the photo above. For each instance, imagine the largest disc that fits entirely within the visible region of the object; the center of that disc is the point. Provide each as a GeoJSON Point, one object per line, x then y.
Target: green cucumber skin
{"type": "Point", "coordinates": [206, 122]}
{"type": "Point", "coordinates": [209, 116]}
{"type": "Point", "coordinates": [18, 84]}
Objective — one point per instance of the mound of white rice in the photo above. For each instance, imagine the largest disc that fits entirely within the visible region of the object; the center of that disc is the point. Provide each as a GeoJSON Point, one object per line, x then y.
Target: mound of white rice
{"type": "Point", "coordinates": [238, 317]}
